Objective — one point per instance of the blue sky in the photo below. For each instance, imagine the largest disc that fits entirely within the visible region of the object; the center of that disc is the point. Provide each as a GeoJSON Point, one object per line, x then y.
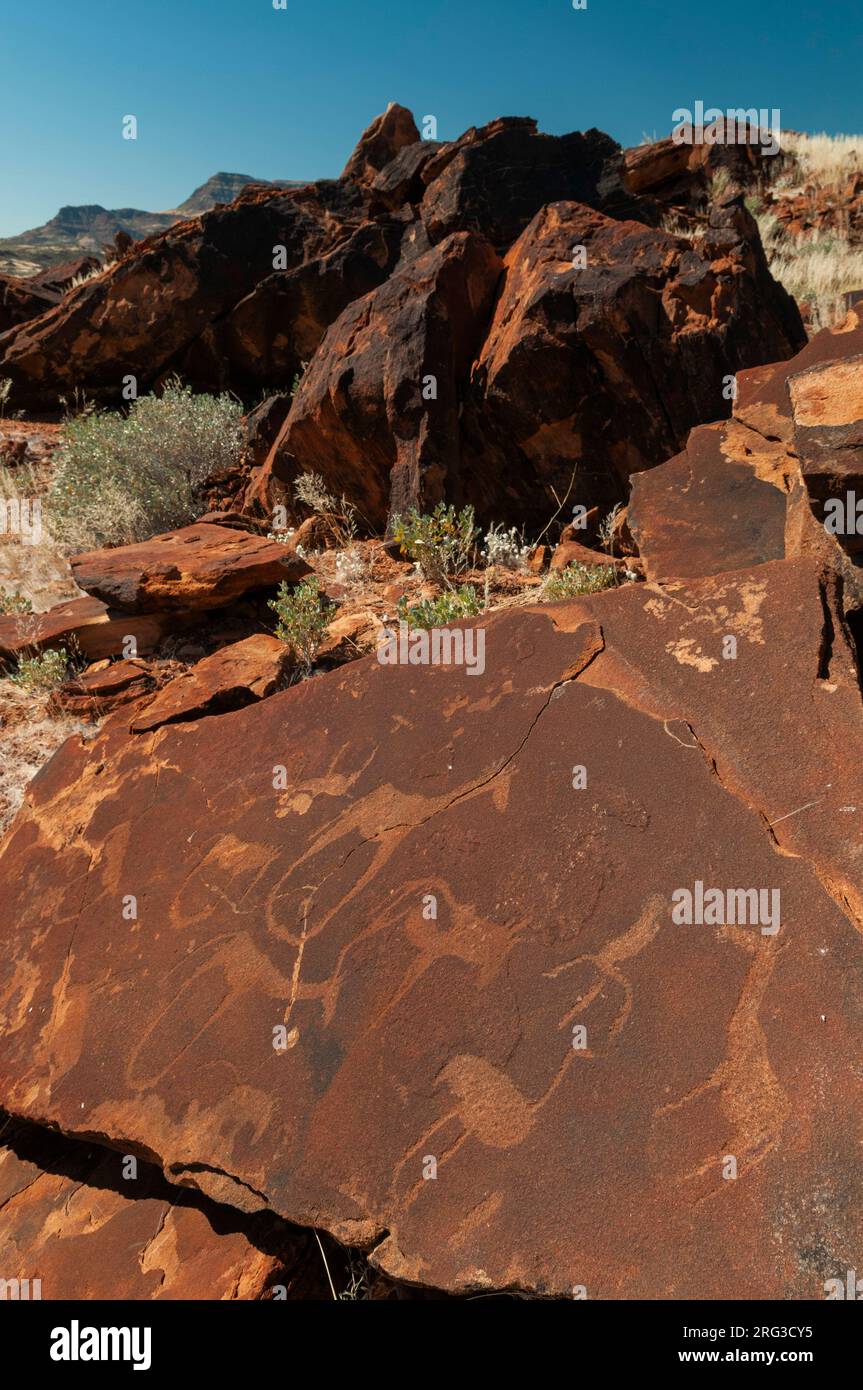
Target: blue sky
{"type": "Point", "coordinates": [237, 85]}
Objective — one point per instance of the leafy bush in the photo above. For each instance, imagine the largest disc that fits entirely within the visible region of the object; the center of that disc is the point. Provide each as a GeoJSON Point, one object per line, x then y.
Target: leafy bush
{"type": "Point", "coordinates": [14, 603]}
{"type": "Point", "coordinates": [578, 579]}
{"type": "Point", "coordinates": [303, 614]}
{"type": "Point", "coordinates": [43, 672]}
{"type": "Point", "coordinates": [122, 478]}
{"type": "Point", "coordinates": [441, 544]}
{"type": "Point", "coordinates": [437, 612]}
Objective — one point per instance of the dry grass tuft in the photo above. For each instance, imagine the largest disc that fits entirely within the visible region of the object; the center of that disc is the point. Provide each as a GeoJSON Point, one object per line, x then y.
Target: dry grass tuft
{"type": "Point", "coordinates": [818, 270]}
{"type": "Point", "coordinates": [30, 736]}
{"type": "Point", "coordinates": [821, 160]}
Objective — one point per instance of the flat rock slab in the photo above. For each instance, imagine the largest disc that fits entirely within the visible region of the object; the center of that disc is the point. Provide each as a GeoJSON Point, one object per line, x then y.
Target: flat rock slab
{"type": "Point", "coordinates": [84, 625]}
{"type": "Point", "coordinates": [763, 399]}
{"type": "Point", "coordinates": [706, 510]}
{"type": "Point", "coordinates": [574, 553]}
{"type": "Point", "coordinates": [197, 567]}
{"type": "Point", "coordinates": [72, 1221]}
{"type": "Point", "coordinates": [96, 693]}
{"type": "Point", "coordinates": [237, 675]}
{"type": "Point", "coordinates": [374, 913]}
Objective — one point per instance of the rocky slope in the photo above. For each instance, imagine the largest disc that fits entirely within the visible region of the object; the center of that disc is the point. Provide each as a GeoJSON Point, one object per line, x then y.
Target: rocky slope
{"type": "Point", "coordinates": [395, 954]}
{"type": "Point", "coordinates": [807, 198]}
{"type": "Point", "coordinates": [463, 274]}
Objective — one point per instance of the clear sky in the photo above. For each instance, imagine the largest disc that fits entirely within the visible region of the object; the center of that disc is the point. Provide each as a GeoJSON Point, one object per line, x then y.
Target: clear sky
{"type": "Point", "coordinates": [240, 86]}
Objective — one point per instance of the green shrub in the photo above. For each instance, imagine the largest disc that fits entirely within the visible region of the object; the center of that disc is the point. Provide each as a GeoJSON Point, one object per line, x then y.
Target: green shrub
{"type": "Point", "coordinates": [122, 478]}
{"type": "Point", "coordinates": [578, 579]}
{"type": "Point", "coordinates": [441, 544]}
{"type": "Point", "coordinates": [437, 612]}
{"type": "Point", "coordinates": [43, 672]}
{"type": "Point", "coordinates": [14, 603]}
{"type": "Point", "coordinates": [303, 614]}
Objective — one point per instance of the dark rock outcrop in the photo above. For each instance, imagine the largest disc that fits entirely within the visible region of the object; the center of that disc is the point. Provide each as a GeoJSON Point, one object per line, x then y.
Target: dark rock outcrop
{"type": "Point", "coordinates": [494, 180]}
{"type": "Point", "coordinates": [610, 341]}
{"type": "Point", "coordinates": [591, 368]}
{"type": "Point", "coordinates": [362, 416]}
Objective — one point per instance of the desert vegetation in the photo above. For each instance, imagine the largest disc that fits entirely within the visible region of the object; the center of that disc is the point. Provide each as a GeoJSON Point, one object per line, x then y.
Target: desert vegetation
{"type": "Point", "coordinates": [122, 477]}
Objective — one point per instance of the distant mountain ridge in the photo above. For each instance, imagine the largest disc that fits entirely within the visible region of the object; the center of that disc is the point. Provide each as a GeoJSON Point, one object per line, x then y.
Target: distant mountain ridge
{"type": "Point", "coordinates": [83, 229]}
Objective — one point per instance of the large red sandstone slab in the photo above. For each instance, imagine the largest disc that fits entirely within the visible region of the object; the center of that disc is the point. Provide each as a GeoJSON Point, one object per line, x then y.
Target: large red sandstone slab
{"type": "Point", "coordinates": [282, 858]}
{"type": "Point", "coordinates": [777, 719]}
{"type": "Point", "coordinates": [198, 567]}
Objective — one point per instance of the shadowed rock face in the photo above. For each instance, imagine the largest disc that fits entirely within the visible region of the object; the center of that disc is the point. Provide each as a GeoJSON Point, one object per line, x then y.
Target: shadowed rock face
{"type": "Point", "coordinates": [276, 329]}
{"type": "Point", "coordinates": [21, 300]}
{"type": "Point", "coordinates": [610, 340]}
{"type": "Point", "coordinates": [584, 374]}
{"type": "Point", "coordinates": [282, 879]}
{"type": "Point", "coordinates": [362, 417]}
{"type": "Point", "coordinates": [494, 180]}
{"type": "Point", "coordinates": [141, 315]}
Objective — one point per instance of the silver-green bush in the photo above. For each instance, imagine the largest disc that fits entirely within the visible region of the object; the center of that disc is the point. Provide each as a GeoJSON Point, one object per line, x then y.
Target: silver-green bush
{"type": "Point", "coordinates": [123, 478]}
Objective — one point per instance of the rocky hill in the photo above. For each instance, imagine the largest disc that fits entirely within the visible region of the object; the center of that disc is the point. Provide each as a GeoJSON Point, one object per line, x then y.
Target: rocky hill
{"type": "Point", "coordinates": [88, 229]}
